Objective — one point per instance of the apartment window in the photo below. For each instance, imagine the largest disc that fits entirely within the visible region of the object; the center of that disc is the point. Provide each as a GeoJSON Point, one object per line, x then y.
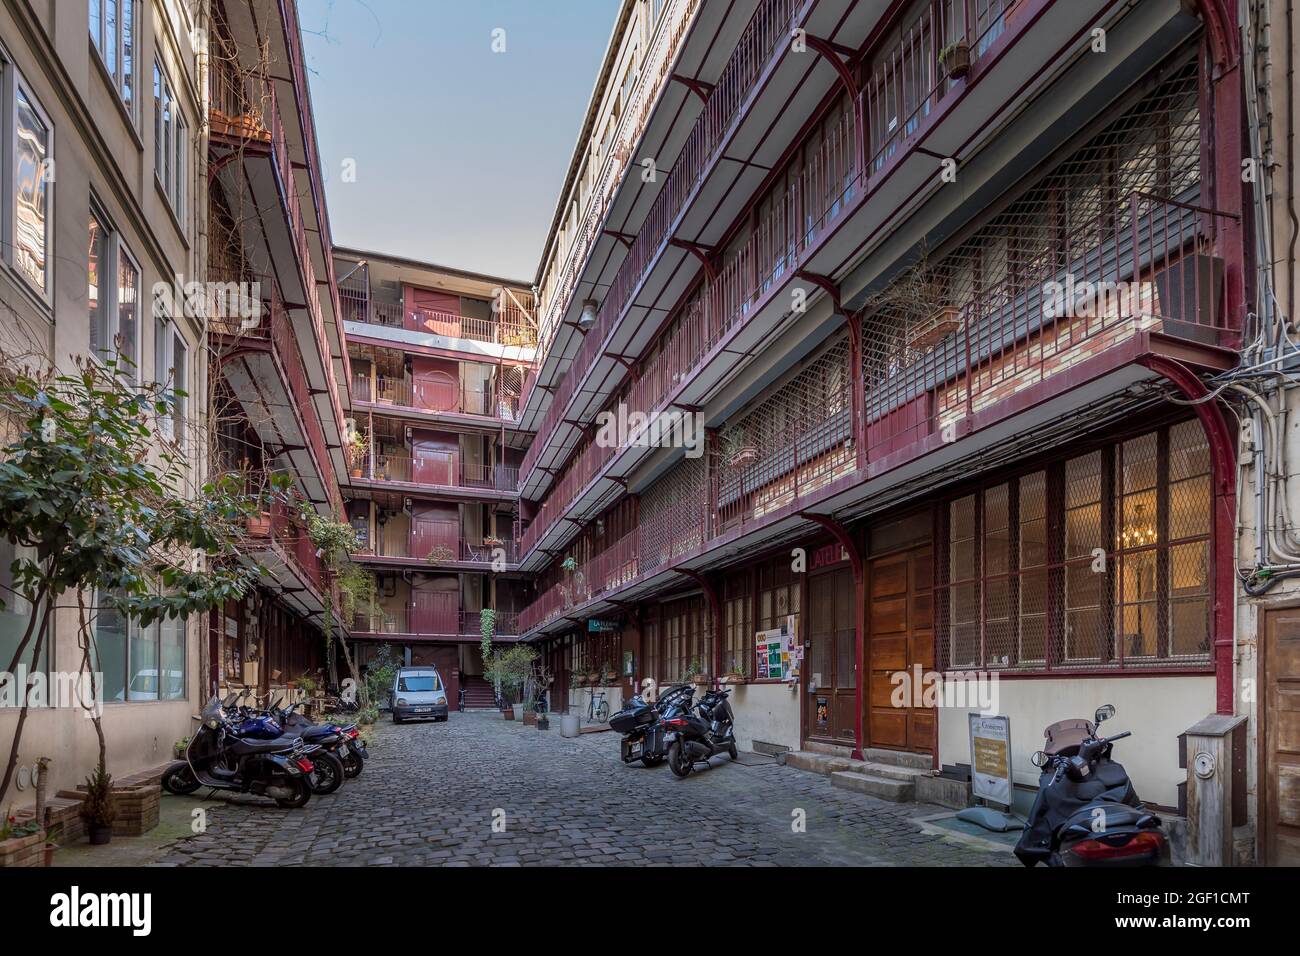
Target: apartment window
{"type": "Point", "coordinates": [1100, 561]}
{"type": "Point", "coordinates": [139, 663]}
{"type": "Point", "coordinates": [114, 294]}
{"type": "Point", "coordinates": [170, 141]}
{"type": "Point", "coordinates": [32, 167]}
{"type": "Point", "coordinates": [170, 363]}
{"type": "Point", "coordinates": [113, 31]}
{"type": "Point", "coordinates": [16, 614]}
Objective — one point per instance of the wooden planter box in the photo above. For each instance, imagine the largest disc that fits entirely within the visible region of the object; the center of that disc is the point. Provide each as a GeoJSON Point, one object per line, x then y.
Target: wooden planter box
{"type": "Point", "coordinates": [956, 60]}
{"type": "Point", "coordinates": [23, 851]}
{"type": "Point", "coordinates": [943, 323]}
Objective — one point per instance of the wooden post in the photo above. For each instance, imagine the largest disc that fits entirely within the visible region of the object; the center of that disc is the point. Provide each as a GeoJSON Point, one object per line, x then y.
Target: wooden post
{"type": "Point", "coordinates": [1209, 790]}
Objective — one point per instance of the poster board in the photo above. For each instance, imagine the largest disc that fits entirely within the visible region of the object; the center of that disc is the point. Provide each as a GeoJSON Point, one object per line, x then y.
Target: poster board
{"type": "Point", "coordinates": [776, 652]}
{"type": "Point", "coordinates": [990, 758]}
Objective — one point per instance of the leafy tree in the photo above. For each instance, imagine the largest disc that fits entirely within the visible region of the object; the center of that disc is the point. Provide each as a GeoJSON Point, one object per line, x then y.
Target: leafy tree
{"type": "Point", "coordinates": [103, 505]}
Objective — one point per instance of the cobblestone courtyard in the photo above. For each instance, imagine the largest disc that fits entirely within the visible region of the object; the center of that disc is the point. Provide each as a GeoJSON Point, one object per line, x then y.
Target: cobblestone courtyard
{"type": "Point", "coordinates": [430, 793]}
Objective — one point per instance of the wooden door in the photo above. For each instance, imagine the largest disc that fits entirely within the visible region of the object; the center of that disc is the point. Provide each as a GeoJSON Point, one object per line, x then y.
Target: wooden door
{"type": "Point", "coordinates": [436, 459]}
{"type": "Point", "coordinates": [900, 636]}
{"type": "Point", "coordinates": [828, 671]}
{"type": "Point", "coordinates": [1280, 814]}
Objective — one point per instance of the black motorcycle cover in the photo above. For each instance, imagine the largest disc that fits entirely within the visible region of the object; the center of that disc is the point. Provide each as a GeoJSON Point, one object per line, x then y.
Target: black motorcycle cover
{"type": "Point", "coordinates": [1056, 805]}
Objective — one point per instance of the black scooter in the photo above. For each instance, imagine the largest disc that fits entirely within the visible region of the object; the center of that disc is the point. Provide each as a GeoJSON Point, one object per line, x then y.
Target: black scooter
{"type": "Point", "coordinates": [1087, 812]}
{"type": "Point", "coordinates": [642, 724]}
{"type": "Point", "coordinates": [216, 758]}
{"type": "Point", "coordinates": [693, 736]}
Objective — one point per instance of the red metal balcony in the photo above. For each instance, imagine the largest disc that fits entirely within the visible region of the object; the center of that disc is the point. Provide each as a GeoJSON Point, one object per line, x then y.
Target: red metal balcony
{"type": "Point", "coordinates": [440, 541]}
{"type": "Point", "coordinates": [260, 356]}
{"type": "Point", "coordinates": [437, 395]}
{"type": "Point", "coordinates": [770, 27]}
{"type": "Point", "coordinates": [1146, 267]}
{"type": "Point", "coordinates": [432, 616]}
{"type": "Point", "coordinates": [441, 472]}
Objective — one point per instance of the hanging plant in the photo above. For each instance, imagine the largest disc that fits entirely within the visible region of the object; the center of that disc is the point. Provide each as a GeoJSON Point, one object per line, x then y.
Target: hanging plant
{"type": "Point", "coordinates": [487, 626]}
{"type": "Point", "coordinates": [569, 564]}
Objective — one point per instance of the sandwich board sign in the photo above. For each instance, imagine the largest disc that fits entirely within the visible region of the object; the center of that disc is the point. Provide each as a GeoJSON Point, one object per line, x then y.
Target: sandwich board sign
{"type": "Point", "coordinates": [990, 758]}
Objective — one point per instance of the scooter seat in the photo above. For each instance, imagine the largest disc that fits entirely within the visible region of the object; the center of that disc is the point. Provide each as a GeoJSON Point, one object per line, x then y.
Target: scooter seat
{"type": "Point", "coordinates": [1117, 816]}
{"type": "Point", "coordinates": [278, 745]}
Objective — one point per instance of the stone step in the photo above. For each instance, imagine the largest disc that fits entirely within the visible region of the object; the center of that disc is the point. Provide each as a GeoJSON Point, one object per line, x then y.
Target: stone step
{"type": "Point", "coordinates": [899, 758]}
{"type": "Point", "coordinates": [889, 771]}
{"type": "Point", "coordinates": [883, 788]}
{"type": "Point", "coordinates": [828, 750]}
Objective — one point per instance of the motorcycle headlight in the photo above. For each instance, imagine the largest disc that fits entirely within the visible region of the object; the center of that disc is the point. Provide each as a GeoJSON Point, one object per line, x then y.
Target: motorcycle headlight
{"type": "Point", "coordinates": [401, 702]}
{"type": "Point", "coordinates": [213, 723]}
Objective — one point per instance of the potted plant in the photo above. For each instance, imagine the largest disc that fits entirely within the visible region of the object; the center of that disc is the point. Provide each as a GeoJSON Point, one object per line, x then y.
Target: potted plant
{"type": "Point", "coordinates": [956, 58]}
{"type": "Point", "coordinates": [941, 323]}
{"type": "Point", "coordinates": [569, 563]}
{"type": "Point", "coordinates": [179, 748]}
{"type": "Point", "coordinates": [358, 452]}
{"type": "Point", "coordinates": [51, 842]}
{"type": "Point", "coordinates": [20, 843]}
{"type": "Point", "coordinates": [735, 673]}
{"type": "Point", "coordinates": [593, 677]}
{"type": "Point", "coordinates": [610, 675]}
{"type": "Point", "coordinates": [258, 524]}
{"type": "Point", "coordinates": [736, 449]}
{"type": "Point", "coordinates": [98, 809]}
{"type": "Point", "coordinates": [695, 673]}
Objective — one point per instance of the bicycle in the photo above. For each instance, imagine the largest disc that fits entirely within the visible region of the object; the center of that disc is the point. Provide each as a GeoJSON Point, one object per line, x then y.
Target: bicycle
{"type": "Point", "coordinates": [597, 708]}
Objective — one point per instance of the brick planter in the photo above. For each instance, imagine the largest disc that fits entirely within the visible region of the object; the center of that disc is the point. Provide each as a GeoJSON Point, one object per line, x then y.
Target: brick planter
{"type": "Point", "coordinates": [23, 851]}
{"type": "Point", "coordinates": [137, 809]}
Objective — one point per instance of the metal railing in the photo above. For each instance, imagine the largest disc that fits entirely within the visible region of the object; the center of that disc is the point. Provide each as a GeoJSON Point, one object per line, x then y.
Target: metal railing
{"type": "Point", "coordinates": [407, 619]}
{"type": "Point", "coordinates": [436, 395]}
{"type": "Point", "coordinates": [1146, 264]}
{"type": "Point", "coordinates": [768, 29]}
{"type": "Point", "coordinates": [273, 329]}
{"type": "Point", "coordinates": [442, 472]}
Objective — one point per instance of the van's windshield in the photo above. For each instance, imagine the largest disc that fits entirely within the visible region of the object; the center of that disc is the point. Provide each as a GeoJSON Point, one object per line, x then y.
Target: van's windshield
{"type": "Point", "coordinates": [418, 683]}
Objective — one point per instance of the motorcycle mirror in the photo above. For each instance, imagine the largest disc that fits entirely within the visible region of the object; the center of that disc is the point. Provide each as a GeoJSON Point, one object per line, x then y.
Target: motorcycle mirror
{"type": "Point", "coordinates": [1039, 759]}
{"type": "Point", "coordinates": [1104, 712]}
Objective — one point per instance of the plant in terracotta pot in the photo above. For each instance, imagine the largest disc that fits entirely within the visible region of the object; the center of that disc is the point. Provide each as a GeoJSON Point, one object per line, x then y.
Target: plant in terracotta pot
{"type": "Point", "coordinates": [99, 808]}
{"type": "Point", "coordinates": [695, 672]}
{"type": "Point", "coordinates": [52, 842]}
{"type": "Point", "coordinates": [735, 673]}
{"type": "Point", "coordinates": [608, 673]}
{"type": "Point", "coordinates": [258, 524]}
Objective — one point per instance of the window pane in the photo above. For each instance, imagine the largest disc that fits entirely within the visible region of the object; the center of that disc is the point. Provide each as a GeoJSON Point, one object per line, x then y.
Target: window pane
{"type": "Point", "coordinates": [172, 682]}
{"type": "Point", "coordinates": [1033, 520]}
{"type": "Point", "coordinates": [97, 25]}
{"type": "Point", "coordinates": [1083, 531]}
{"type": "Point", "coordinates": [110, 36]}
{"type": "Point", "coordinates": [143, 661]}
{"type": "Point", "coordinates": [110, 657]}
{"type": "Point", "coordinates": [157, 121]}
{"type": "Point", "coordinates": [997, 542]}
{"type": "Point", "coordinates": [128, 308]}
{"type": "Point", "coordinates": [178, 363]}
{"type": "Point", "coordinates": [16, 615]}
{"type": "Point", "coordinates": [95, 281]}
{"type": "Point", "coordinates": [31, 150]}
{"type": "Point", "coordinates": [128, 53]}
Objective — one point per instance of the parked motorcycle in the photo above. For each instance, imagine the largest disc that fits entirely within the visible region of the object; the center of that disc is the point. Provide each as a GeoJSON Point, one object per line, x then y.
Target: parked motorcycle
{"type": "Point", "coordinates": [699, 734]}
{"type": "Point", "coordinates": [641, 723]}
{"type": "Point", "coordinates": [216, 757]}
{"type": "Point", "coordinates": [328, 770]}
{"type": "Point", "coordinates": [350, 749]}
{"type": "Point", "coordinates": [1087, 812]}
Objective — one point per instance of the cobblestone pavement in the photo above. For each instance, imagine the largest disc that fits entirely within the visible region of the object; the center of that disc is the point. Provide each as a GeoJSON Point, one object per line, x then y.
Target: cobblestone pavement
{"type": "Point", "coordinates": [429, 794]}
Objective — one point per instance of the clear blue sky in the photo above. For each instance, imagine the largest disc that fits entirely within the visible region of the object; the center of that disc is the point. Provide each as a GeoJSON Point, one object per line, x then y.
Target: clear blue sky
{"type": "Point", "coordinates": [459, 151]}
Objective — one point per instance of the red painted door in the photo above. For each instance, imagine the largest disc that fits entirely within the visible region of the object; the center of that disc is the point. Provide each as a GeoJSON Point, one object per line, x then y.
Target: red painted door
{"type": "Point", "coordinates": [436, 458]}
{"type": "Point", "coordinates": [435, 531]}
{"type": "Point", "coordinates": [435, 384]}
{"type": "Point", "coordinates": [435, 607]}
{"type": "Point", "coordinates": [431, 311]}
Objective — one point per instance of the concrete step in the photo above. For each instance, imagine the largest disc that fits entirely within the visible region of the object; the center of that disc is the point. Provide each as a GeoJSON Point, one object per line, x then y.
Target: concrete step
{"type": "Point", "coordinates": [889, 771]}
{"type": "Point", "coordinates": [828, 750]}
{"type": "Point", "coordinates": [883, 788]}
{"type": "Point", "coordinates": [899, 758]}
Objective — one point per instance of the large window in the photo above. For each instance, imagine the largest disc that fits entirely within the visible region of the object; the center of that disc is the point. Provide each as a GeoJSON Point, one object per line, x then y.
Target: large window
{"type": "Point", "coordinates": [139, 663]}
{"type": "Point", "coordinates": [1099, 561]}
{"type": "Point", "coordinates": [114, 293]}
{"type": "Point", "coordinates": [32, 158]}
{"type": "Point", "coordinates": [113, 31]}
{"type": "Point", "coordinates": [170, 141]}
